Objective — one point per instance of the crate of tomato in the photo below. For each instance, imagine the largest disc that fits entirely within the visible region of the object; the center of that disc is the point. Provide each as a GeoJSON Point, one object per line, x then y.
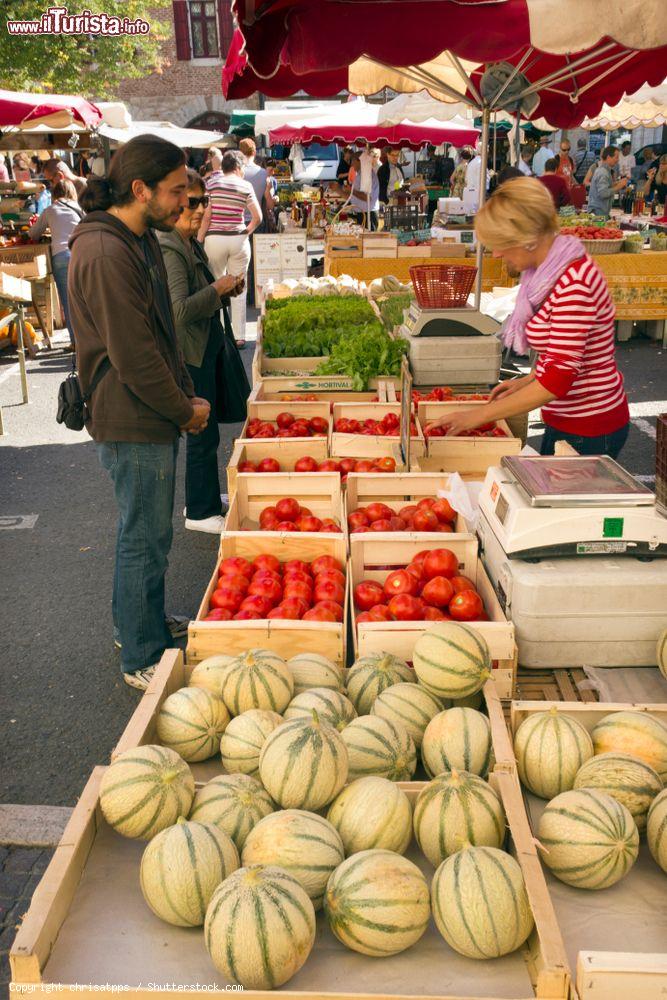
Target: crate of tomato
{"type": "Point", "coordinates": [273, 455]}
{"type": "Point", "coordinates": [399, 585]}
{"type": "Point", "coordinates": [364, 429]}
{"type": "Point", "coordinates": [268, 503]}
{"type": "Point", "coordinates": [298, 421]}
{"type": "Point", "coordinates": [470, 453]}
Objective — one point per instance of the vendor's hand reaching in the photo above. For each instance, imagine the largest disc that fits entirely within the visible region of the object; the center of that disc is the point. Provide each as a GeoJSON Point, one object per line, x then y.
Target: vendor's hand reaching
{"type": "Point", "coordinates": [460, 420]}
{"type": "Point", "coordinates": [199, 419]}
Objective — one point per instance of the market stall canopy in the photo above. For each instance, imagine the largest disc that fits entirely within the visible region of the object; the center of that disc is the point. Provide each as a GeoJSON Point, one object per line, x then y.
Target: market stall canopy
{"type": "Point", "coordinates": [184, 138]}
{"type": "Point", "coordinates": [292, 113]}
{"type": "Point", "coordinates": [56, 111]}
{"type": "Point", "coordinates": [421, 106]}
{"type": "Point", "coordinates": [629, 115]}
{"type": "Point", "coordinates": [239, 79]}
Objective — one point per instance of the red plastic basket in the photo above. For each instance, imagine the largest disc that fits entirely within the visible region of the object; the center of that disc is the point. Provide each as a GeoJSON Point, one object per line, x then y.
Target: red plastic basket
{"type": "Point", "coordinates": [661, 463]}
{"type": "Point", "coordinates": [442, 286]}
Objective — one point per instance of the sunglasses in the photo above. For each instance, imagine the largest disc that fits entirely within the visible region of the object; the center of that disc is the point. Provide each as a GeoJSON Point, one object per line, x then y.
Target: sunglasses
{"type": "Point", "coordinates": [194, 202]}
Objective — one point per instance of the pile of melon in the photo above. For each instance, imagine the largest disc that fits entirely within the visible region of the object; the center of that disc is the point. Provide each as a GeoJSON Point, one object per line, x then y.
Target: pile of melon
{"type": "Point", "coordinates": [308, 814]}
{"type": "Point", "coordinates": [604, 789]}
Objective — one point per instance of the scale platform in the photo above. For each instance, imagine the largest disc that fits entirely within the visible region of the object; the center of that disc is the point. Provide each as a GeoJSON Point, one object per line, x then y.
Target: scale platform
{"type": "Point", "coordinates": [462, 322]}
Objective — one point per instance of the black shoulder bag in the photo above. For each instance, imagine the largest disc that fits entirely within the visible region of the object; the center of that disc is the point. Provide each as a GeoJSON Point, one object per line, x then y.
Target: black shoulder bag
{"type": "Point", "coordinates": [231, 382]}
{"type": "Point", "coordinates": [72, 408]}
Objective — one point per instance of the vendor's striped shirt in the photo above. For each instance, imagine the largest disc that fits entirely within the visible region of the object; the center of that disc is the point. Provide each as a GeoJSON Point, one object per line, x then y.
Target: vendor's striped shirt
{"type": "Point", "coordinates": [230, 197]}
{"type": "Point", "coordinates": [573, 333]}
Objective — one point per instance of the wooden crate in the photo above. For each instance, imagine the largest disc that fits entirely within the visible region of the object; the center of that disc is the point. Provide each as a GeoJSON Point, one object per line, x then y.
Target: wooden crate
{"type": "Point", "coordinates": [275, 374]}
{"type": "Point", "coordinates": [365, 445]}
{"type": "Point", "coordinates": [35, 268]}
{"type": "Point", "coordinates": [12, 287]}
{"type": "Point", "coordinates": [553, 685]}
{"type": "Point", "coordinates": [284, 637]}
{"type": "Point", "coordinates": [448, 248]}
{"type": "Point", "coordinates": [319, 491]}
{"type": "Point", "coordinates": [344, 246]}
{"type": "Point", "coordinates": [88, 927]}
{"type": "Point", "coordinates": [469, 456]}
{"type": "Point", "coordinates": [373, 559]}
{"type": "Point", "coordinates": [396, 490]}
{"type": "Point", "coordinates": [269, 412]}
{"type": "Point", "coordinates": [421, 250]}
{"type": "Point", "coordinates": [263, 392]}
{"type": "Point", "coordinates": [286, 451]}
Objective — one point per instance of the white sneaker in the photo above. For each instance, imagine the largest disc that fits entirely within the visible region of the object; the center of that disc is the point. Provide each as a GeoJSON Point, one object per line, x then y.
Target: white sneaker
{"type": "Point", "coordinates": [213, 525]}
{"type": "Point", "coordinates": [140, 679]}
{"type": "Point", "coordinates": [225, 505]}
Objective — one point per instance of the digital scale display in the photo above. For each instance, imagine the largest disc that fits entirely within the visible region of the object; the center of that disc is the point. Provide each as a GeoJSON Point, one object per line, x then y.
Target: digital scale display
{"type": "Point", "coordinates": [502, 508]}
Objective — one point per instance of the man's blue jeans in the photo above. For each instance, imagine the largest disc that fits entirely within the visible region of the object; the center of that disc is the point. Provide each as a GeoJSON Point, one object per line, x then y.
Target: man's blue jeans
{"type": "Point", "coordinates": [144, 477]}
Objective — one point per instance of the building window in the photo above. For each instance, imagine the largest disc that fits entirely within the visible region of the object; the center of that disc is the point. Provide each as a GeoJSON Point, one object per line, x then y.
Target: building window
{"type": "Point", "coordinates": [204, 29]}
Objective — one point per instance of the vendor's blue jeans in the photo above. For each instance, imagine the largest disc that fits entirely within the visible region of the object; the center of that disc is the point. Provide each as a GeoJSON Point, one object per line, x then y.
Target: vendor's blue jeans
{"type": "Point", "coordinates": [604, 444]}
{"type": "Point", "coordinates": [60, 267]}
{"type": "Point", "coordinates": [143, 476]}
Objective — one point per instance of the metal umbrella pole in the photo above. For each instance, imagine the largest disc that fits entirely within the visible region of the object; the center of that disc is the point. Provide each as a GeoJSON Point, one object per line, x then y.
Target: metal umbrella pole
{"type": "Point", "coordinates": [486, 117]}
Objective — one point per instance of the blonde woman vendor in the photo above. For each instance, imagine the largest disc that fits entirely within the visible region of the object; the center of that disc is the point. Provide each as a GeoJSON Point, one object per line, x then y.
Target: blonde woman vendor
{"type": "Point", "coordinates": [563, 312]}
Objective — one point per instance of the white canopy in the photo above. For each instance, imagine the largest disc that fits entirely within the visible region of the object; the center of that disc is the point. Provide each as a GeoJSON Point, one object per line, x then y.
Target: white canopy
{"type": "Point", "coordinates": [192, 138]}
{"type": "Point", "coordinates": [293, 113]}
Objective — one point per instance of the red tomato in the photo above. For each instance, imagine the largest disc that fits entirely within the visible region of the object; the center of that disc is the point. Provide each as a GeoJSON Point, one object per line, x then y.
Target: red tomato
{"type": "Point", "coordinates": [318, 425]}
{"type": "Point", "coordinates": [329, 465]}
{"type": "Point", "coordinates": [327, 589]}
{"type": "Point", "coordinates": [323, 563]}
{"type": "Point", "coordinates": [441, 562]}
{"type": "Point", "coordinates": [300, 429]}
{"type": "Point", "coordinates": [227, 597]}
{"type": "Point", "coordinates": [460, 583]}
{"type": "Point", "coordinates": [294, 607]}
{"type": "Point", "coordinates": [408, 512]}
{"type": "Point", "coordinates": [365, 616]}
{"type": "Point", "coordinates": [253, 426]}
{"type": "Point", "coordinates": [331, 574]}
{"type": "Point", "coordinates": [257, 604]}
{"type": "Point", "coordinates": [426, 503]}
{"type": "Point", "coordinates": [305, 464]}
{"type": "Point", "coordinates": [319, 615]}
{"type": "Point", "coordinates": [309, 524]}
{"type": "Point", "coordinates": [446, 529]}
{"type": "Point", "coordinates": [466, 606]}
{"type": "Point", "coordinates": [386, 464]}
{"type": "Point", "coordinates": [400, 582]}
{"type": "Point", "coordinates": [363, 465]}
{"type": "Point", "coordinates": [329, 525]}
{"type": "Point", "coordinates": [406, 608]}
{"type": "Point", "coordinates": [235, 565]}
{"type": "Point", "coordinates": [380, 613]}
{"type": "Point", "coordinates": [297, 564]}
{"type": "Point", "coordinates": [436, 615]}
{"type": "Point", "coordinates": [287, 509]}
{"type": "Point", "coordinates": [238, 582]}
{"type": "Point", "coordinates": [444, 511]}
{"type": "Point", "coordinates": [285, 419]}
{"type": "Point", "coordinates": [425, 520]}
{"type": "Point", "coordinates": [358, 519]}
{"type": "Point", "coordinates": [368, 594]}
{"type": "Point", "coordinates": [285, 526]}
{"type": "Point", "coordinates": [378, 512]}
{"type": "Point", "coordinates": [398, 524]}
{"type": "Point", "coordinates": [265, 430]}
{"type": "Point", "coordinates": [218, 615]}
{"type": "Point", "coordinates": [332, 606]}
{"type": "Point", "coordinates": [268, 514]}
{"type": "Point", "coordinates": [419, 558]}
{"type": "Point", "coordinates": [297, 576]}
{"type": "Point", "coordinates": [438, 592]}
{"type": "Point", "coordinates": [347, 465]}
{"type": "Point", "coordinates": [297, 588]}
{"type": "Point", "coordinates": [383, 525]}
{"type": "Point", "coordinates": [391, 421]}
{"type": "Point", "coordinates": [268, 588]}
{"type": "Point", "coordinates": [268, 465]}
{"type": "Point", "coordinates": [247, 467]}
{"type": "Point", "coordinates": [415, 569]}
{"type": "Point", "coordinates": [243, 615]}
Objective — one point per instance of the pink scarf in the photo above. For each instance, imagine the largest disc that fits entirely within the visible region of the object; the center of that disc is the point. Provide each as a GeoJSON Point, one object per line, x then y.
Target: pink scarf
{"type": "Point", "coordinates": [535, 285]}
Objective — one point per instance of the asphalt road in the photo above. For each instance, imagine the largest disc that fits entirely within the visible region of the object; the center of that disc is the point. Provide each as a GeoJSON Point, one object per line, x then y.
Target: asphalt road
{"type": "Point", "coordinates": [63, 704]}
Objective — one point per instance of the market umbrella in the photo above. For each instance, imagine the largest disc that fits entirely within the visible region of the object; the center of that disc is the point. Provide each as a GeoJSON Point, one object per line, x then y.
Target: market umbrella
{"type": "Point", "coordinates": [23, 110]}
{"type": "Point", "coordinates": [184, 138]}
{"type": "Point", "coordinates": [240, 81]}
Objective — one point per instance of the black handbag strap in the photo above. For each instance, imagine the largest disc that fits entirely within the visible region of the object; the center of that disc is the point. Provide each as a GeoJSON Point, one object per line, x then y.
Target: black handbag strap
{"type": "Point", "coordinates": [97, 378]}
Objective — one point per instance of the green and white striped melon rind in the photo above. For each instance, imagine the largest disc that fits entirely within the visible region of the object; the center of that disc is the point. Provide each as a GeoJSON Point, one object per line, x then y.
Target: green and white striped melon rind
{"type": "Point", "coordinates": [661, 653]}
{"type": "Point", "coordinates": [234, 802]}
{"type": "Point", "coordinates": [458, 739]}
{"type": "Point", "coordinates": [209, 673]}
{"type": "Point", "coordinates": [370, 675]}
{"type": "Point", "coordinates": [182, 867]}
{"type": "Point", "coordinates": [312, 670]}
{"type": "Point", "coordinates": [331, 706]}
{"type": "Point", "coordinates": [452, 660]}
{"type": "Point", "coordinates": [191, 722]}
{"type": "Point", "coordinates": [302, 843]}
{"type": "Point", "coordinates": [627, 779]}
{"type": "Point", "coordinates": [257, 679]}
{"type": "Point", "coordinates": [587, 839]}
{"type": "Point", "coordinates": [480, 904]}
{"type": "Point", "coordinates": [303, 764]}
{"type": "Point", "coordinates": [244, 738]}
{"type": "Point", "coordinates": [372, 813]}
{"type": "Point", "coordinates": [377, 903]}
{"type": "Point", "coordinates": [380, 747]}
{"type": "Point", "coordinates": [409, 705]}
{"type": "Point", "coordinates": [550, 747]}
{"type": "Point", "coordinates": [656, 830]}
{"type": "Point", "coordinates": [456, 808]}
{"type": "Point", "coordinates": [260, 927]}
{"type": "Point", "coordinates": [146, 790]}
{"type": "Point", "coordinates": [636, 733]}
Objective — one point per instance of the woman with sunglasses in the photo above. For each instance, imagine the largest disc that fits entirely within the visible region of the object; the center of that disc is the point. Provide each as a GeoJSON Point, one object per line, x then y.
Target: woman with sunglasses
{"type": "Point", "coordinates": [197, 299]}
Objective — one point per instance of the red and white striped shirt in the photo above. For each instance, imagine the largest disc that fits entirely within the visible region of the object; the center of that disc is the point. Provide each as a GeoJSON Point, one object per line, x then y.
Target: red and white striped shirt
{"type": "Point", "coordinates": [573, 333]}
{"type": "Point", "coordinates": [230, 197]}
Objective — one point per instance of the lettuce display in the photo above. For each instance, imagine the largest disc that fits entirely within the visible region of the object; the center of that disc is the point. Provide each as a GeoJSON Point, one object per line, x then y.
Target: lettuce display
{"type": "Point", "coordinates": [364, 353]}
{"type": "Point", "coordinates": [306, 326]}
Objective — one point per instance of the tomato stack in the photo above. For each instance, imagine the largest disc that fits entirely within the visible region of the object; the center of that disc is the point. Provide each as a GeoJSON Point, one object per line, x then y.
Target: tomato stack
{"type": "Point", "coordinates": [429, 514]}
{"type": "Point", "coordinates": [388, 426]}
{"type": "Point", "coordinates": [288, 515]}
{"type": "Point", "coordinates": [309, 464]}
{"type": "Point", "coordinates": [287, 426]}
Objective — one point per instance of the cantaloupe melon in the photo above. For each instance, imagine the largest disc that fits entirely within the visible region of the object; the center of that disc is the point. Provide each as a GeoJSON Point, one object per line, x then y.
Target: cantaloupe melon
{"type": "Point", "coordinates": [234, 802]}
{"type": "Point", "coordinates": [456, 808]}
{"type": "Point", "coordinates": [209, 673]}
{"type": "Point", "coordinates": [458, 738]}
{"type": "Point", "coordinates": [244, 738]}
{"type": "Point", "coordinates": [379, 746]}
{"type": "Point", "coordinates": [587, 839]}
{"type": "Point", "coordinates": [550, 747]}
{"type": "Point", "coordinates": [372, 813]}
{"type": "Point", "coordinates": [331, 706]}
{"type": "Point", "coordinates": [312, 670]}
{"type": "Point", "coordinates": [627, 779]}
{"type": "Point", "coordinates": [257, 679]}
{"type": "Point", "coordinates": [370, 675]}
{"type": "Point", "coordinates": [191, 722]}
{"type": "Point", "coordinates": [636, 733]}
{"type": "Point", "coordinates": [656, 829]}
{"type": "Point", "coordinates": [260, 927]}
{"type": "Point", "coordinates": [661, 653]}
{"type": "Point", "coordinates": [377, 903]}
{"type": "Point", "coordinates": [303, 764]}
{"type": "Point", "coordinates": [302, 843]}
{"type": "Point", "coordinates": [182, 867]}
{"type": "Point", "coordinates": [480, 904]}
{"type": "Point", "coordinates": [145, 790]}
{"type": "Point", "coordinates": [452, 660]}
{"type": "Point", "coordinates": [409, 705]}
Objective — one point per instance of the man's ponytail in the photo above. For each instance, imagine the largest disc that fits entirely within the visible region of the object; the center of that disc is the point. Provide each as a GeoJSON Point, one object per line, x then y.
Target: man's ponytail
{"type": "Point", "coordinates": [98, 195]}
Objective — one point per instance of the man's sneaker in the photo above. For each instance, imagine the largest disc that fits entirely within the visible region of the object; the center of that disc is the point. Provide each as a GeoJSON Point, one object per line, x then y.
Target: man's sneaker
{"type": "Point", "coordinates": [177, 625]}
{"type": "Point", "coordinates": [140, 679]}
{"type": "Point", "coordinates": [213, 525]}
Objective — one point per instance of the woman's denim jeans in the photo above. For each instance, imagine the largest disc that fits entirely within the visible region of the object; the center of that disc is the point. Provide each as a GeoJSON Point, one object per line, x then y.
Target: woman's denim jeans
{"type": "Point", "coordinates": [60, 267]}
{"type": "Point", "coordinates": [143, 476]}
{"type": "Point", "coordinates": [605, 444]}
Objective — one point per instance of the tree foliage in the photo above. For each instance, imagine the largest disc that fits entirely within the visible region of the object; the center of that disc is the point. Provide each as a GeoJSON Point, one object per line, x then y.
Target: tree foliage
{"type": "Point", "coordinates": [89, 65]}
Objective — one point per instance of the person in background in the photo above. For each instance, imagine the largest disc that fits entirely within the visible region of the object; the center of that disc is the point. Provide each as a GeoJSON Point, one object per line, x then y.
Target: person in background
{"type": "Point", "coordinates": [4, 172]}
{"type": "Point", "coordinates": [564, 312]}
{"type": "Point", "coordinates": [473, 183]}
{"type": "Point", "coordinates": [125, 337]}
{"type": "Point", "coordinates": [57, 170]}
{"type": "Point", "coordinates": [258, 177]}
{"type": "Point", "coordinates": [390, 174]}
{"type": "Point", "coordinates": [459, 175]}
{"type": "Point", "coordinates": [367, 206]}
{"type": "Point", "coordinates": [555, 184]}
{"type": "Point", "coordinates": [35, 166]}
{"type": "Point", "coordinates": [223, 230]}
{"type": "Point", "coordinates": [197, 298]}
{"type": "Point", "coordinates": [507, 173]}
{"type": "Point", "coordinates": [343, 169]}
{"type": "Point", "coordinates": [61, 217]}
{"type": "Point", "coordinates": [603, 186]}
{"type": "Point", "coordinates": [544, 153]}
{"type": "Point", "coordinates": [524, 161]}
{"type": "Point", "coordinates": [583, 160]}
{"type": "Point", "coordinates": [655, 185]}
{"type": "Point", "coordinates": [650, 157]}
{"type": "Point", "coordinates": [626, 161]}
{"type": "Point", "coordinates": [565, 163]}
{"type": "Point", "coordinates": [21, 163]}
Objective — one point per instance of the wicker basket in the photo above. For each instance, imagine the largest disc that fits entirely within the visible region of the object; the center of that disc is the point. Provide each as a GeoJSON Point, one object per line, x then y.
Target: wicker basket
{"type": "Point", "coordinates": [442, 286]}
{"type": "Point", "coordinates": [661, 463]}
{"type": "Point", "coordinates": [597, 247]}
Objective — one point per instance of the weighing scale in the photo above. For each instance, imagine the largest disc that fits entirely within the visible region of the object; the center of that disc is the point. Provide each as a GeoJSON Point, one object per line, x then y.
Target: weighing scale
{"type": "Point", "coordinates": [576, 551]}
{"type": "Point", "coordinates": [464, 321]}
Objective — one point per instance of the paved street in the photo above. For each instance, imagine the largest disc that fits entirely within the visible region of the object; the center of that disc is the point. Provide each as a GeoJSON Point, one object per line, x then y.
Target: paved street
{"type": "Point", "coordinates": [63, 704]}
